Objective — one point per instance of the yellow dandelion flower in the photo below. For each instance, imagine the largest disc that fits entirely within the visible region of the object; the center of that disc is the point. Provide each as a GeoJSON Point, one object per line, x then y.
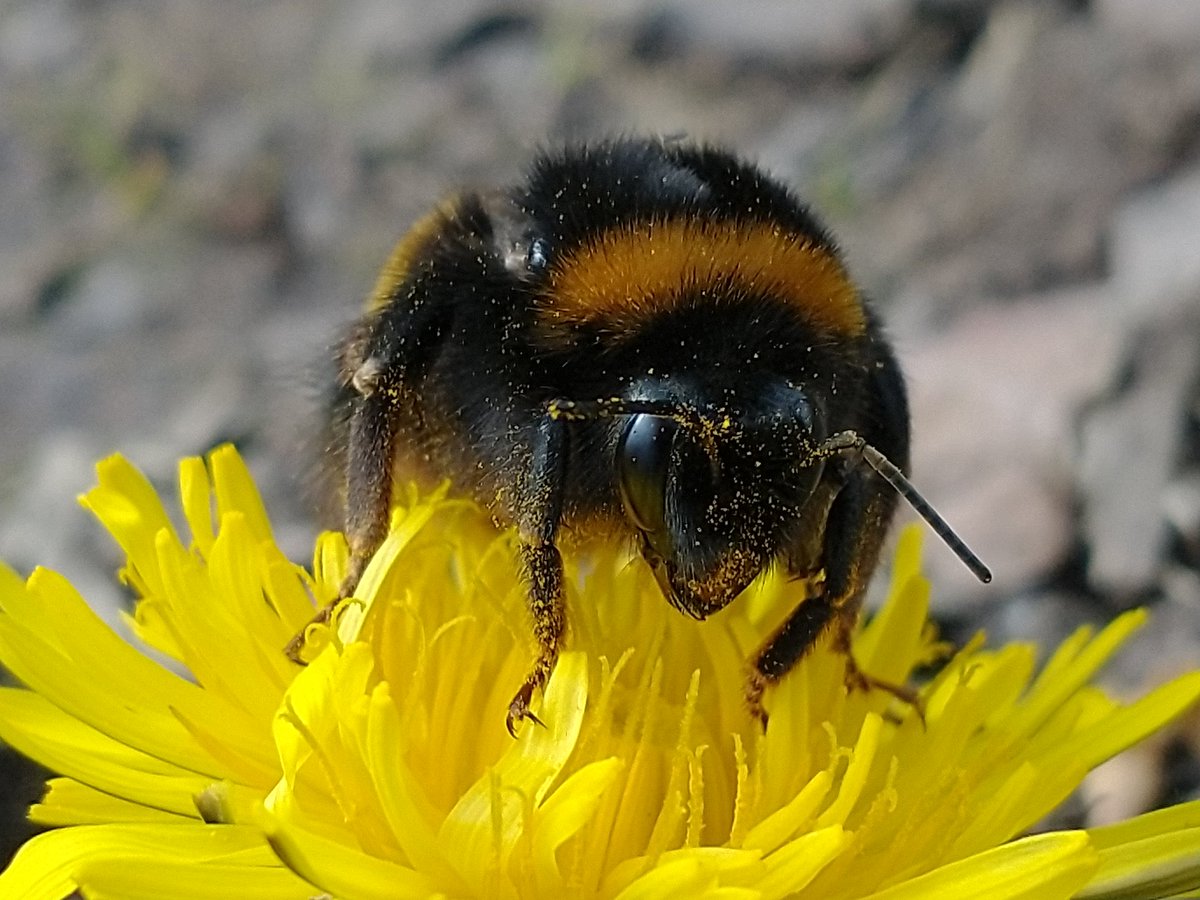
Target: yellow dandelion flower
{"type": "Point", "coordinates": [383, 768]}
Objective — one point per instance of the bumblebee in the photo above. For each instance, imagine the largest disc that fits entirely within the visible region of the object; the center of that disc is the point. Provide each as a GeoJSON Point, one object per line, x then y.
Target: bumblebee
{"type": "Point", "coordinates": [648, 339]}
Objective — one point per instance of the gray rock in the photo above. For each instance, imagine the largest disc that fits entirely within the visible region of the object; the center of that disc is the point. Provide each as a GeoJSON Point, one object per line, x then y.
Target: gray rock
{"type": "Point", "coordinates": [993, 400]}
{"type": "Point", "coordinates": [1044, 618]}
{"type": "Point", "coordinates": [43, 524]}
{"type": "Point", "coordinates": [796, 148]}
{"type": "Point", "coordinates": [1154, 21]}
{"type": "Point", "coordinates": [371, 31]}
{"type": "Point", "coordinates": [1130, 447]}
{"type": "Point", "coordinates": [113, 298]}
{"type": "Point", "coordinates": [1156, 249]}
{"type": "Point", "coordinates": [1166, 646]}
{"type": "Point", "coordinates": [39, 36]}
{"type": "Point", "coordinates": [816, 33]}
{"type": "Point", "coordinates": [1126, 784]}
{"type": "Point", "coordinates": [1181, 507]}
{"type": "Point", "coordinates": [1008, 186]}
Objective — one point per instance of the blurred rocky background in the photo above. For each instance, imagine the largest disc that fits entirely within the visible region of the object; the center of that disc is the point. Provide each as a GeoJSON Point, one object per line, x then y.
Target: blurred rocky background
{"type": "Point", "coordinates": [194, 196]}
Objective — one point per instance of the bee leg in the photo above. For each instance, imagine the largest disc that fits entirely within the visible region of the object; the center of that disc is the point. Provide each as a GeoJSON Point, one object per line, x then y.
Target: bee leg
{"type": "Point", "coordinates": [785, 647]}
{"type": "Point", "coordinates": [368, 496]}
{"type": "Point", "coordinates": [854, 531]}
{"type": "Point", "coordinates": [858, 680]}
{"type": "Point", "coordinates": [295, 647]}
{"type": "Point", "coordinates": [542, 567]}
{"type": "Point", "coordinates": [537, 524]}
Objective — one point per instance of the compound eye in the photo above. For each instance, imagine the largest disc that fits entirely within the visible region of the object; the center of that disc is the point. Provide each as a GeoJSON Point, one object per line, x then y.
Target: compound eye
{"type": "Point", "coordinates": [643, 462]}
{"type": "Point", "coordinates": [803, 409]}
{"type": "Point", "coordinates": [791, 406]}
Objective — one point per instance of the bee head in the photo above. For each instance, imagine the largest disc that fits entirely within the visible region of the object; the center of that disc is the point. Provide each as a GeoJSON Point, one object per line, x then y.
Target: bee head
{"type": "Point", "coordinates": [713, 490]}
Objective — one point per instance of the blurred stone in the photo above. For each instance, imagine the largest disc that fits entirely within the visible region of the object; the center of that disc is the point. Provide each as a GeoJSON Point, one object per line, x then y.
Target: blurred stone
{"type": "Point", "coordinates": [43, 524]}
{"type": "Point", "coordinates": [23, 783]}
{"type": "Point", "coordinates": [1154, 96]}
{"type": "Point", "coordinates": [39, 36]}
{"type": "Point", "coordinates": [795, 151]}
{"type": "Point", "coordinates": [1130, 445]}
{"type": "Point", "coordinates": [113, 297]}
{"type": "Point", "coordinates": [1002, 57]}
{"type": "Point", "coordinates": [1160, 21]}
{"type": "Point", "coordinates": [1181, 505]}
{"type": "Point", "coordinates": [1181, 764]}
{"type": "Point", "coordinates": [966, 10]}
{"type": "Point", "coordinates": [1181, 587]}
{"type": "Point", "coordinates": [814, 34]}
{"type": "Point", "coordinates": [1011, 190]}
{"type": "Point", "coordinates": [374, 31]}
{"type": "Point", "coordinates": [1155, 257]}
{"type": "Point", "coordinates": [514, 77]}
{"type": "Point", "coordinates": [993, 400]}
{"type": "Point", "coordinates": [1162, 649]}
{"type": "Point", "coordinates": [1016, 518]}
{"type": "Point", "coordinates": [1125, 785]}
{"type": "Point", "coordinates": [1043, 618]}
{"type": "Point", "coordinates": [489, 28]}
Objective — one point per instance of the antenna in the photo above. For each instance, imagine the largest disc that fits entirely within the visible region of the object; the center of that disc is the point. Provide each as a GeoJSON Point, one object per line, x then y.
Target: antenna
{"type": "Point", "coordinates": [850, 444]}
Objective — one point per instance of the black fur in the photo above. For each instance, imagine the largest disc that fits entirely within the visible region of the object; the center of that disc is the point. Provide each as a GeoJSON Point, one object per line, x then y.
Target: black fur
{"type": "Point", "coordinates": [453, 378]}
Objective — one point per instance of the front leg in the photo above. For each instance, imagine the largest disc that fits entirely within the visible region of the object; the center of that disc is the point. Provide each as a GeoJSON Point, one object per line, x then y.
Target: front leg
{"type": "Point", "coordinates": [539, 507]}
{"type": "Point", "coordinates": [369, 452]}
{"type": "Point", "coordinates": [854, 532]}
